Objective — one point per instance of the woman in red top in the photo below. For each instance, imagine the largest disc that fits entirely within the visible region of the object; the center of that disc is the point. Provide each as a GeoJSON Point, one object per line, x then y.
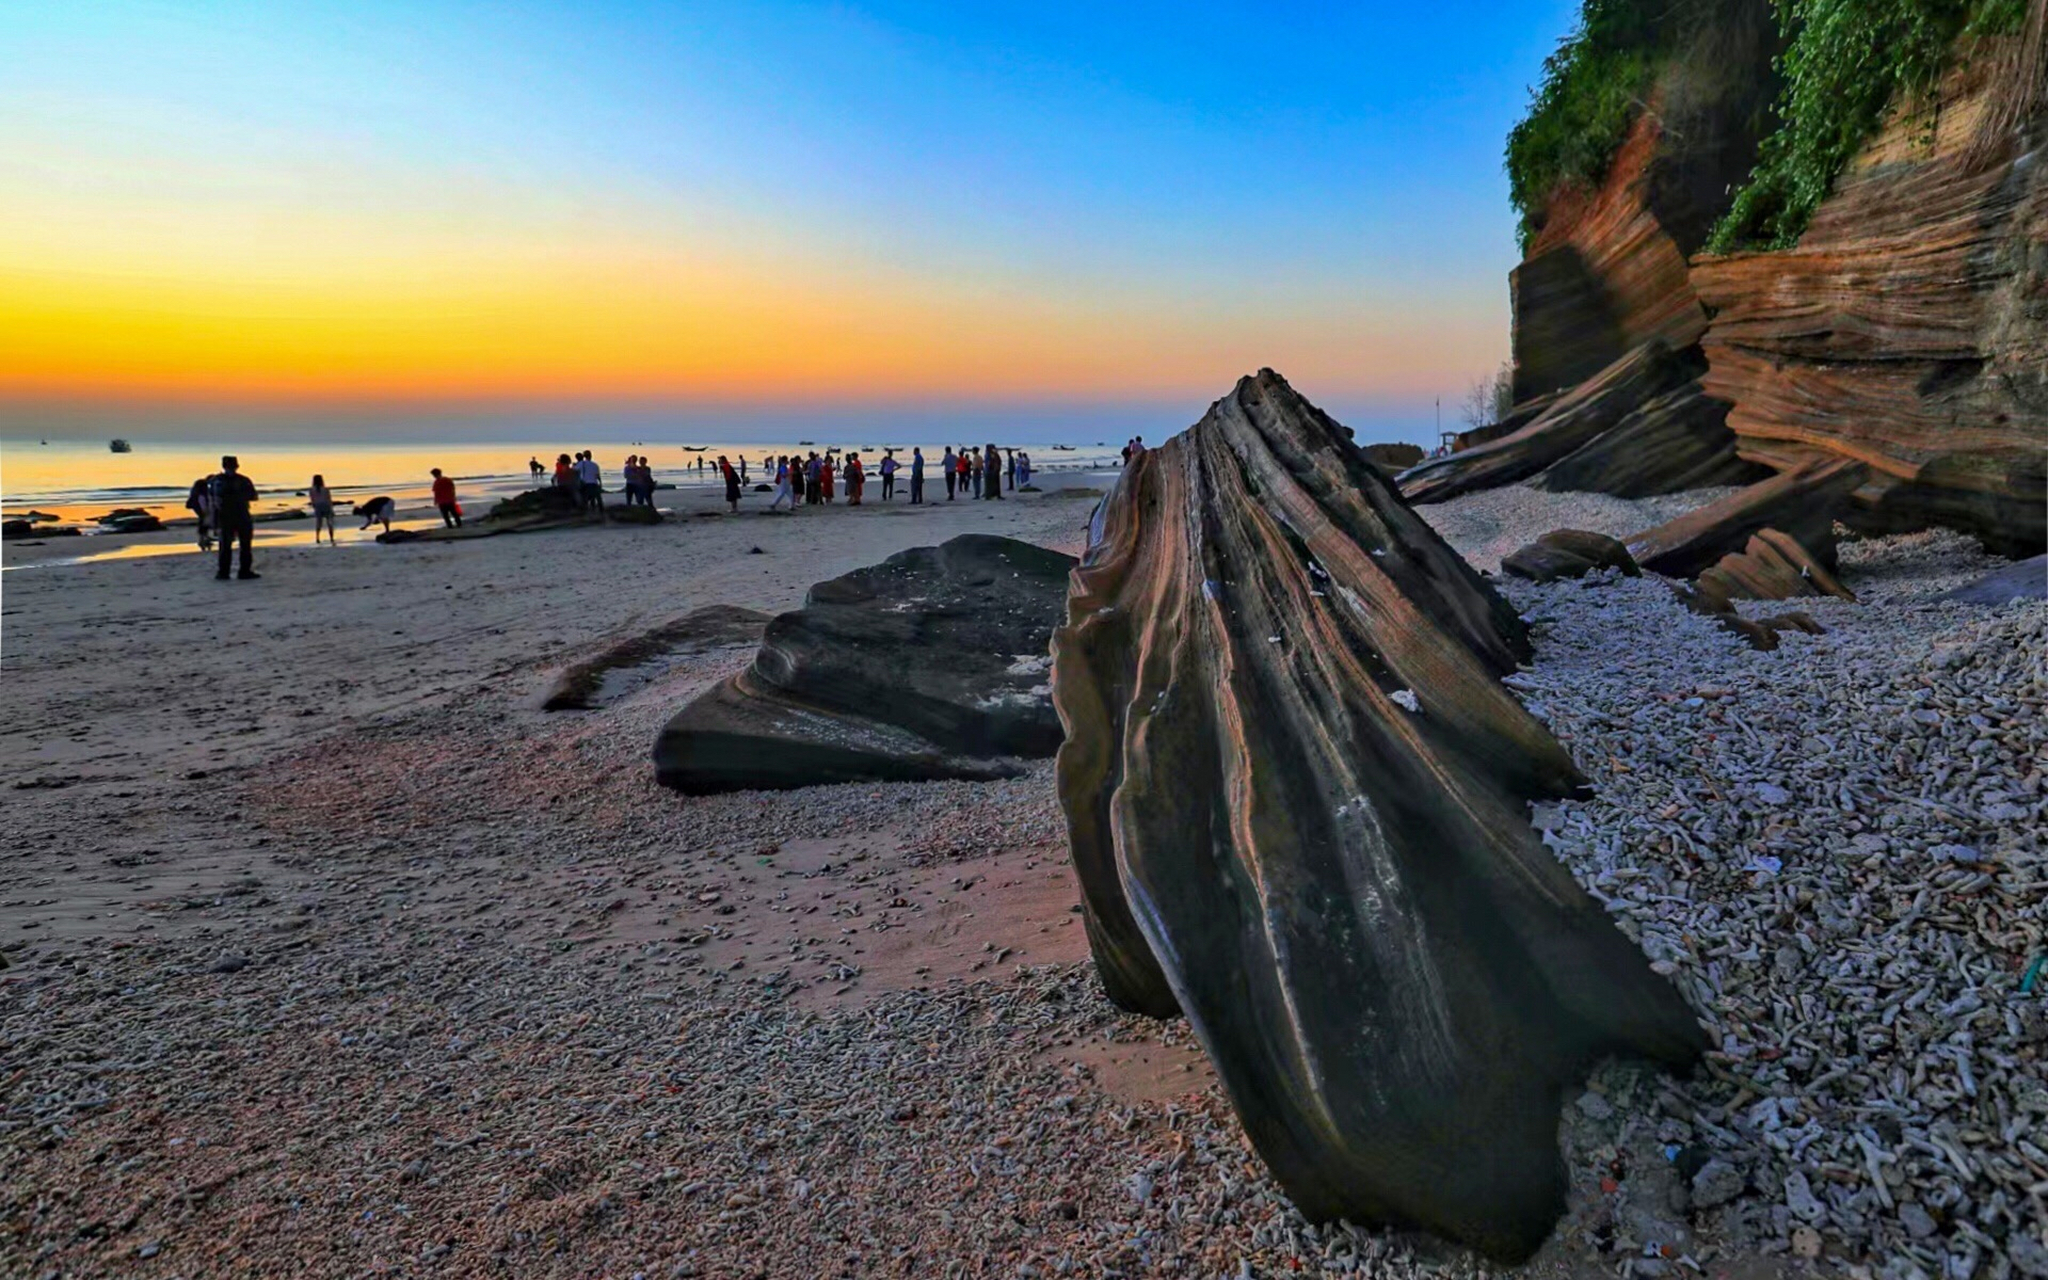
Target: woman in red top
{"type": "Point", "coordinates": [855, 476]}
{"type": "Point", "coordinates": [444, 498]}
{"type": "Point", "coordinates": [825, 476]}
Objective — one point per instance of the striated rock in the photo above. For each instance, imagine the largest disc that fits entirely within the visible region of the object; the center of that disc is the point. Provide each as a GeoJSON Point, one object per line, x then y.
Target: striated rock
{"type": "Point", "coordinates": [2022, 580]}
{"type": "Point", "coordinates": [1569, 553]}
{"type": "Point", "coordinates": [929, 665]}
{"type": "Point", "coordinates": [1524, 413]}
{"type": "Point", "coordinates": [1606, 270]}
{"type": "Point", "coordinates": [1393, 457]}
{"type": "Point", "coordinates": [1593, 407]}
{"type": "Point", "coordinates": [1677, 441]}
{"type": "Point", "coordinates": [594, 681]}
{"type": "Point", "coordinates": [1804, 502]}
{"type": "Point", "coordinates": [1772, 567]}
{"type": "Point", "coordinates": [1296, 798]}
{"type": "Point", "coordinates": [1906, 328]}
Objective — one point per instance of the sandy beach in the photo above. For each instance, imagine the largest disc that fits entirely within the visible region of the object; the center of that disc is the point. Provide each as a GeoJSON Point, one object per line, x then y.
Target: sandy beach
{"type": "Point", "coordinates": [329, 952]}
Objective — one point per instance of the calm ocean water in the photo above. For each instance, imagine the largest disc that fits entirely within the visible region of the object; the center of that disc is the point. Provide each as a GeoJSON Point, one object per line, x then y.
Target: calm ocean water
{"type": "Point", "coordinates": [80, 481]}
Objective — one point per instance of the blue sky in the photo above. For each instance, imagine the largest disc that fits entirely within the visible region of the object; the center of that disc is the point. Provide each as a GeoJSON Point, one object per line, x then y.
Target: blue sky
{"type": "Point", "coordinates": [737, 209]}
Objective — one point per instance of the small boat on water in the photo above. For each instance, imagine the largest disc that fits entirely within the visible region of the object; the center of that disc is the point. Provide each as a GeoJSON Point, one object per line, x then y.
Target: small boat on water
{"type": "Point", "coordinates": [807, 442]}
{"type": "Point", "coordinates": [118, 445]}
{"type": "Point", "coordinates": [695, 448]}
{"type": "Point", "coordinates": [1063, 448]}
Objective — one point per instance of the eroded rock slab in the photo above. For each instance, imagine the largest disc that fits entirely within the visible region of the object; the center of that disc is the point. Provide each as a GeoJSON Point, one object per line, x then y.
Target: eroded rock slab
{"type": "Point", "coordinates": [1296, 797]}
{"type": "Point", "coordinates": [1578, 417]}
{"type": "Point", "coordinates": [931, 664]}
{"type": "Point", "coordinates": [1803, 502]}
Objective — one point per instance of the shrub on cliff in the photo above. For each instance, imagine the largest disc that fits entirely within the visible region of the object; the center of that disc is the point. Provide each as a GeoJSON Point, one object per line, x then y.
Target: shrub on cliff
{"type": "Point", "coordinates": [1846, 61]}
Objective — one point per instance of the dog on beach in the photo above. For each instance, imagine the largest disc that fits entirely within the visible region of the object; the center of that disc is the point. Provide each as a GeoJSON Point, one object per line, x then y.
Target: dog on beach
{"type": "Point", "coordinates": [375, 511]}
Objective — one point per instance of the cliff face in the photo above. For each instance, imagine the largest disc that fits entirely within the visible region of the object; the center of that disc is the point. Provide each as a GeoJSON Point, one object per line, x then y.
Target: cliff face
{"type": "Point", "coordinates": [1907, 330]}
{"type": "Point", "coordinates": [1909, 327]}
{"type": "Point", "coordinates": [1606, 271]}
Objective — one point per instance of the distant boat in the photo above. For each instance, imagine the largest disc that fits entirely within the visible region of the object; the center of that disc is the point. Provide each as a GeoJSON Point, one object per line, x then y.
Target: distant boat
{"type": "Point", "coordinates": [117, 445]}
{"type": "Point", "coordinates": [695, 448]}
{"type": "Point", "coordinates": [1063, 448]}
{"type": "Point", "coordinates": [801, 442]}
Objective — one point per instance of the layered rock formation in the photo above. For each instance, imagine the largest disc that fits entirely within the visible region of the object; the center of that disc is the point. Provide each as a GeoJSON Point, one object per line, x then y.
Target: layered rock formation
{"type": "Point", "coordinates": [929, 665]}
{"type": "Point", "coordinates": [1909, 327]}
{"type": "Point", "coordinates": [1576, 420]}
{"type": "Point", "coordinates": [1296, 797]}
{"type": "Point", "coordinates": [1907, 330]}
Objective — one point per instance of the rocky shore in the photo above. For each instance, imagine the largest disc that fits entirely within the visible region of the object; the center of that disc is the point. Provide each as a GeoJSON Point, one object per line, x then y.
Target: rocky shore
{"type": "Point", "coordinates": [385, 968]}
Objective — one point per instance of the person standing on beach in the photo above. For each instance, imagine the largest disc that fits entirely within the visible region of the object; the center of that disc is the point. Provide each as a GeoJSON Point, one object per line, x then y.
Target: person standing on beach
{"type": "Point", "coordinates": [233, 498]}
{"type": "Point", "coordinates": [970, 464]}
{"type": "Point", "coordinates": [856, 479]}
{"type": "Point", "coordinates": [537, 470]}
{"type": "Point", "coordinates": [917, 477]}
{"type": "Point", "coordinates": [888, 470]}
{"type": "Point", "coordinates": [590, 483]}
{"type": "Point", "coordinates": [321, 499]}
{"type": "Point", "coordinates": [732, 484]}
{"type": "Point", "coordinates": [782, 489]}
{"type": "Point", "coordinates": [947, 464]}
{"type": "Point", "coordinates": [444, 500]}
{"type": "Point", "coordinates": [825, 477]}
{"type": "Point", "coordinates": [992, 467]}
{"type": "Point", "coordinates": [200, 502]}
{"type": "Point", "coordinates": [1010, 466]}
{"type": "Point", "coordinates": [1023, 467]}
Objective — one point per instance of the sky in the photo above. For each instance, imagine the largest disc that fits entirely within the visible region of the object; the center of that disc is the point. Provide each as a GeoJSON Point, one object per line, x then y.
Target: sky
{"type": "Point", "coordinates": [311, 216]}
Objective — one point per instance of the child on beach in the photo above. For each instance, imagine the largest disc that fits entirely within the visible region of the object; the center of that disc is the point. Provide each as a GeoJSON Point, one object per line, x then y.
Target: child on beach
{"type": "Point", "coordinates": [321, 499]}
{"type": "Point", "coordinates": [444, 498]}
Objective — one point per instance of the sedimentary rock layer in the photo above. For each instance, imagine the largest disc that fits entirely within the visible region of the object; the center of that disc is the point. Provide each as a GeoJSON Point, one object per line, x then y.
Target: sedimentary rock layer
{"type": "Point", "coordinates": [1295, 791]}
{"type": "Point", "coordinates": [929, 665]}
{"type": "Point", "coordinates": [1577, 418]}
{"type": "Point", "coordinates": [1907, 328]}
{"type": "Point", "coordinates": [1804, 502]}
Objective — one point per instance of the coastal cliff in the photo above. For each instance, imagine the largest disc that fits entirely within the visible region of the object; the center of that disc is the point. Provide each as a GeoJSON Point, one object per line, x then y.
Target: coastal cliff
{"type": "Point", "coordinates": [1854, 277]}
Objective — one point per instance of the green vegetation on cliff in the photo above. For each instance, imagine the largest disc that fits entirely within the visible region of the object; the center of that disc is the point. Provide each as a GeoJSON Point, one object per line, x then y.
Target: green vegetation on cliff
{"type": "Point", "coordinates": [1844, 62]}
{"type": "Point", "coordinates": [1593, 88]}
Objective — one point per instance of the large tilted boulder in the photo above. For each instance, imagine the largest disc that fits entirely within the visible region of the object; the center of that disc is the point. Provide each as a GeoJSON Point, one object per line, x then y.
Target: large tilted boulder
{"type": "Point", "coordinates": [1296, 794]}
{"type": "Point", "coordinates": [931, 664]}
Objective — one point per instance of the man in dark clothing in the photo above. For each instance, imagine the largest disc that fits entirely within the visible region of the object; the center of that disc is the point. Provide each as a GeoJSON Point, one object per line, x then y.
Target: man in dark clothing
{"type": "Point", "coordinates": [916, 476]}
{"type": "Point", "coordinates": [233, 496]}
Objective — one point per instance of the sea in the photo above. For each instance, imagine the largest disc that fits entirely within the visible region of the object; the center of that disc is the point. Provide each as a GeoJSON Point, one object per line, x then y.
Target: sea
{"type": "Point", "coordinates": [78, 482]}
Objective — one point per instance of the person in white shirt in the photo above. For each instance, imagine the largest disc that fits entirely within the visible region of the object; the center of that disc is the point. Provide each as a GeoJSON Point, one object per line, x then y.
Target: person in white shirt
{"type": "Point", "coordinates": [592, 479]}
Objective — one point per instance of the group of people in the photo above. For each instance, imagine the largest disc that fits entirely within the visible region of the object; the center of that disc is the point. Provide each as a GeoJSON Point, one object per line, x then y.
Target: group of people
{"type": "Point", "coordinates": [583, 480]}
{"type": "Point", "coordinates": [224, 502]}
{"type": "Point", "coordinates": [814, 479]}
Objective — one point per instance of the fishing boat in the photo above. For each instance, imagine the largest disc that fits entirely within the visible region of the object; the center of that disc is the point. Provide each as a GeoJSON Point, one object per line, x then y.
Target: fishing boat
{"type": "Point", "coordinates": [118, 445]}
